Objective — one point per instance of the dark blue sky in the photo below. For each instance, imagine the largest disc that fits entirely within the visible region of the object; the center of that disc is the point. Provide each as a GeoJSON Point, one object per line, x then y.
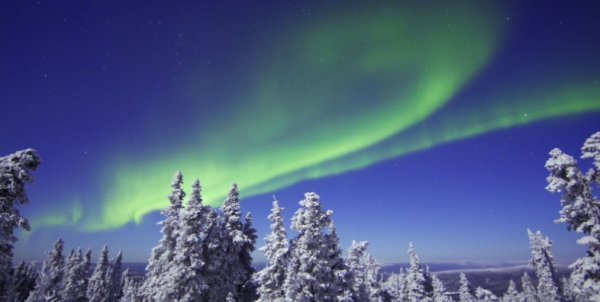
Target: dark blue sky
{"type": "Point", "coordinates": [427, 122]}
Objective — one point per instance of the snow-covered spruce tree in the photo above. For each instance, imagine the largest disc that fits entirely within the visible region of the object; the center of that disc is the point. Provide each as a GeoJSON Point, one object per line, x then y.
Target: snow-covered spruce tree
{"type": "Point", "coordinates": [14, 174]}
{"type": "Point", "coordinates": [484, 295]}
{"type": "Point", "coordinates": [356, 264]}
{"type": "Point", "coordinates": [164, 252]}
{"type": "Point", "coordinates": [543, 262]}
{"type": "Point", "coordinates": [465, 290]}
{"type": "Point", "coordinates": [233, 272]}
{"type": "Point", "coordinates": [512, 294]}
{"type": "Point", "coordinates": [74, 288]}
{"type": "Point", "coordinates": [69, 262]}
{"type": "Point", "coordinates": [529, 293]}
{"type": "Point", "coordinates": [581, 212]}
{"type": "Point", "coordinates": [50, 279]}
{"type": "Point", "coordinates": [248, 292]}
{"type": "Point", "coordinates": [395, 286]}
{"type": "Point", "coordinates": [418, 287]}
{"type": "Point", "coordinates": [211, 247]}
{"type": "Point", "coordinates": [114, 275]}
{"type": "Point", "coordinates": [308, 272]}
{"type": "Point", "coordinates": [340, 288]}
{"type": "Point", "coordinates": [184, 279]}
{"type": "Point", "coordinates": [439, 291]}
{"type": "Point", "coordinates": [363, 272]}
{"type": "Point", "coordinates": [567, 289]}
{"type": "Point", "coordinates": [98, 287]}
{"type": "Point", "coordinates": [130, 288]}
{"type": "Point", "coordinates": [24, 276]}
{"type": "Point", "coordinates": [87, 261]}
{"type": "Point", "coordinates": [373, 279]}
{"type": "Point", "coordinates": [272, 277]}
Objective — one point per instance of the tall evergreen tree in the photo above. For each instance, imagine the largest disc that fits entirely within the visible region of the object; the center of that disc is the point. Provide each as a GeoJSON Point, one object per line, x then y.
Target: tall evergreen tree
{"type": "Point", "coordinates": [543, 262]}
{"type": "Point", "coordinates": [249, 288]}
{"type": "Point", "coordinates": [211, 247]}
{"type": "Point", "coordinates": [74, 289]}
{"type": "Point", "coordinates": [14, 174]}
{"type": "Point", "coordinates": [233, 272]}
{"type": "Point", "coordinates": [165, 251]}
{"type": "Point", "coordinates": [98, 287]}
{"type": "Point", "coordinates": [567, 290]}
{"type": "Point", "coordinates": [529, 293]}
{"type": "Point", "coordinates": [87, 261]}
{"type": "Point", "coordinates": [581, 212]}
{"type": "Point", "coordinates": [308, 266]}
{"type": "Point", "coordinates": [271, 278]}
{"type": "Point", "coordinates": [50, 280]}
{"type": "Point", "coordinates": [439, 291]}
{"type": "Point", "coordinates": [418, 287]}
{"type": "Point", "coordinates": [130, 288]}
{"type": "Point", "coordinates": [356, 264]}
{"type": "Point", "coordinates": [373, 279]}
{"type": "Point", "coordinates": [184, 279]}
{"type": "Point", "coordinates": [340, 278]}
{"type": "Point", "coordinates": [24, 276]}
{"type": "Point", "coordinates": [114, 281]}
{"type": "Point", "coordinates": [465, 290]}
{"type": "Point", "coordinates": [512, 294]}
{"type": "Point", "coordinates": [395, 286]}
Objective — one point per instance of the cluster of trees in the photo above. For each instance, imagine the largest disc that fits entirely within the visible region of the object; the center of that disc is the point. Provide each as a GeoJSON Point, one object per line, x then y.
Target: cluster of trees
{"type": "Point", "coordinates": [70, 280]}
{"type": "Point", "coordinates": [205, 254]}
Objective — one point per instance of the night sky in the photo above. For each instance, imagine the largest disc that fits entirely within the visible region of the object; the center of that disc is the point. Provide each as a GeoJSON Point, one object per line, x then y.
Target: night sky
{"type": "Point", "coordinates": [418, 121]}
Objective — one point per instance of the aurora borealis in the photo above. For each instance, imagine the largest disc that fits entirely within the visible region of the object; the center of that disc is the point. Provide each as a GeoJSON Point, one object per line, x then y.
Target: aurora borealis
{"type": "Point", "coordinates": [285, 97]}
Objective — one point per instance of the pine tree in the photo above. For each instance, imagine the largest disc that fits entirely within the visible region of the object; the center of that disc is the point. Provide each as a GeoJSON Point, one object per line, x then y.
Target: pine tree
{"type": "Point", "coordinates": [87, 261]}
{"type": "Point", "coordinates": [184, 279]}
{"type": "Point", "coordinates": [271, 278]}
{"type": "Point", "coordinates": [529, 293]}
{"type": "Point", "coordinates": [233, 272]}
{"type": "Point", "coordinates": [24, 276]}
{"type": "Point", "coordinates": [465, 289]}
{"type": "Point", "coordinates": [439, 291]}
{"type": "Point", "coordinates": [544, 264]}
{"type": "Point", "coordinates": [130, 288]}
{"type": "Point", "coordinates": [98, 287]}
{"type": "Point", "coordinates": [581, 212]}
{"type": "Point", "coordinates": [114, 276]}
{"type": "Point", "coordinates": [511, 295]}
{"type": "Point", "coordinates": [308, 270]}
{"type": "Point", "coordinates": [567, 290]}
{"type": "Point", "coordinates": [75, 279]}
{"type": "Point", "coordinates": [373, 279]}
{"type": "Point", "coordinates": [417, 285]}
{"type": "Point", "coordinates": [395, 286]}
{"type": "Point", "coordinates": [50, 279]}
{"type": "Point", "coordinates": [356, 264]}
{"type": "Point", "coordinates": [248, 292]}
{"type": "Point", "coordinates": [211, 247]}
{"type": "Point", "coordinates": [165, 251]}
{"type": "Point", "coordinates": [14, 174]}
{"type": "Point", "coordinates": [339, 278]}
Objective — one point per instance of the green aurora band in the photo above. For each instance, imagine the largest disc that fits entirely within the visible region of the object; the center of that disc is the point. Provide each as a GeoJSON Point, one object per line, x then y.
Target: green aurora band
{"type": "Point", "coordinates": [348, 94]}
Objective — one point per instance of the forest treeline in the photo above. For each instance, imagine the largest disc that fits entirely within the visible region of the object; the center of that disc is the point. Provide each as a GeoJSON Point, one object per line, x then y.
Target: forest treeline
{"type": "Point", "coordinates": [205, 253]}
